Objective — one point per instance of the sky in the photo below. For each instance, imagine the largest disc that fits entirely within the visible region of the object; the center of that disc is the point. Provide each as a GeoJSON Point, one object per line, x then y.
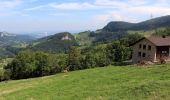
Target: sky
{"type": "Point", "coordinates": [44, 16]}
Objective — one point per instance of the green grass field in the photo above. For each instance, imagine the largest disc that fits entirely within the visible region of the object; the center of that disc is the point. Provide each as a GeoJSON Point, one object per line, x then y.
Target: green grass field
{"type": "Point", "coordinates": [107, 83]}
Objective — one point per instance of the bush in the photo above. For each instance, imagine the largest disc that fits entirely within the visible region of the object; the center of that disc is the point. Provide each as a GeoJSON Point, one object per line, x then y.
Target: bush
{"type": "Point", "coordinates": [118, 52]}
{"type": "Point", "coordinates": [29, 64]}
{"type": "Point", "coordinates": [4, 75]}
{"type": "Point", "coordinates": [57, 62]}
{"type": "Point", "coordinates": [74, 59]}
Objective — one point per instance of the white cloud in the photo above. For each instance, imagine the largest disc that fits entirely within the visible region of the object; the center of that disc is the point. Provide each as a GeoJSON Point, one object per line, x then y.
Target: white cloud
{"type": "Point", "coordinates": [71, 6]}
{"type": "Point", "coordinates": [110, 3]}
{"type": "Point", "coordinates": [133, 9]}
{"type": "Point", "coordinates": [106, 10]}
{"type": "Point", "coordinates": [158, 5]}
{"type": "Point", "coordinates": [64, 6]}
{"type": "Point", "coordinates": [9, 4]}
{"type": "Point", "coordinates": [150, 10]}
{"type": "Point", "coordinates": [35, 8]}
{"type": "Point", "coordinates": [109, 17]}
{"type": "Point", "coordinates": [137, 2]}
{"type": "Point", "coordinates": [102, 17]}
{"type": "Point", "coordinates": [59, 14]}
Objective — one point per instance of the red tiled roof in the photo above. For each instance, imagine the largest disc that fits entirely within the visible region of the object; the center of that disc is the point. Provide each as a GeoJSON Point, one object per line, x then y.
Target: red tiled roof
{"type": "Point", "coordinates": [159, 41]}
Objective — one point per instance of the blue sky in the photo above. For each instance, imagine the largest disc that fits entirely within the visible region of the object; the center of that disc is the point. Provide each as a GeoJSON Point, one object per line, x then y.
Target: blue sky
{"type": "Point", "coordinates": [43, 16]}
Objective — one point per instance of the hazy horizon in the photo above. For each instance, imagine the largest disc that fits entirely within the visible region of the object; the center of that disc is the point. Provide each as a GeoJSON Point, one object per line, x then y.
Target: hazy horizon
{"type": "Point", "coordinates": [52, 16]}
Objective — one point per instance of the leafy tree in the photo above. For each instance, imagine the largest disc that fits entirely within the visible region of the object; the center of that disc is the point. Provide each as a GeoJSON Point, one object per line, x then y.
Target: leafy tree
{"type": "Point", "coordinates": [167, 31]}
{"type": "Point", "coordinates": [96, 56]}
{"type": "Point", "coordinates": [57, 62]}
{"type": "Point", "coordinates": [28, 64]}
{"type": "Point", "coordinates": [74, 59]}
{"type": "Point", "coordinates": [162, 32]}
{"type": "Point", "coordinates": [41, 59]}
{"type": "Point", "coordinates": [90, 61]}
{"type": "Point", "coordinates": [22, 66]}
{"type": "Point", "coordinates": [117, 52]}
{"type": "Point", "coordinates": [130, 39]}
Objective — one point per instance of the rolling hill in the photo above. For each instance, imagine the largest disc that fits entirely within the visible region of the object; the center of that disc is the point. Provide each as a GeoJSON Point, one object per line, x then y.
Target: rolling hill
{"type": "Point", "coordinates": [155, 23]}
{"type": "Point", "coordinates": [59, 42]}
{"type": "Point", "coordinates": [11, 43]}
{"type": "Point", "coordinates": [119, 29]}
{"type": "Point", "coordinates": [7, 39]}
{"type": "Point", "coordinates": [107, 83]}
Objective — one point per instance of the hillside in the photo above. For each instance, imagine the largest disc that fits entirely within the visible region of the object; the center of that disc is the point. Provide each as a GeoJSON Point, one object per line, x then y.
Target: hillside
{"type": "Point", "coordinates": [84, 38]}
{"type": "Point", "coordinates": [127, 83]}
{"type": "Point", "coordinates": [13, 39]}
{"type": "Point", "coordinates": [116, 30]}
{"type": "Point", "coordinates": [59, 42]}
{"type": "Point", "coordinates": [155, 23]}
{"type": "Point", "coordinates": [11, 43]}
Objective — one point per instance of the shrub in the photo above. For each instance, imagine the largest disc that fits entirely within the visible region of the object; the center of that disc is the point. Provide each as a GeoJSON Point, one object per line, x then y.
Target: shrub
{"type": "Point", "coordinates": [29, 64]}
{"type": "Point", "coordinates": [4, 75]}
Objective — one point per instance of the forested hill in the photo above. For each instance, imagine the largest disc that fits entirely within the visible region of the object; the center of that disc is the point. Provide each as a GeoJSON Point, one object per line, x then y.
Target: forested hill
{"type": "Point", "coordinates": [12, 39]}
{"type": "Point", "coordinates": [11, 43]}
{"type": "Point", "coordinates": [154, 23]}
{"type": "Point", "coordinates": [59, 42]}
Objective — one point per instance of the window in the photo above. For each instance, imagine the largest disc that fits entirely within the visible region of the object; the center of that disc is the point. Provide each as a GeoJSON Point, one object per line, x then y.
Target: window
{"type": "Point", "coordinates": [144, 55]}
{"type": "Point", "coordinates": [140, 46]}
{"type": "Point", "coordinates": [149, 47]}
{"type": "Point", "coordinates": [164, 52]}
{"type": "Point", "coordinates": [144, 47]}
{"type": "Point", "coordinates": [139, 54]}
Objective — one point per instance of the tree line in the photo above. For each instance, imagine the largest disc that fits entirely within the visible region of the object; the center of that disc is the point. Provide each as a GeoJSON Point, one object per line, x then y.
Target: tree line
{"type": "Point", "coordinates": [29, 64]}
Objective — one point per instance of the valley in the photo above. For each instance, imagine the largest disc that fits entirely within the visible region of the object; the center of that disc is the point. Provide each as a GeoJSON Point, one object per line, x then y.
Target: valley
{"type": "Point", "coordinates": [87, 65]}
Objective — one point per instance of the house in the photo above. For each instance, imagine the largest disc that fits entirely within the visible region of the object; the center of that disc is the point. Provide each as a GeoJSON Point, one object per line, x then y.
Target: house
{"type": "Point", "coordinates": [151, 49]}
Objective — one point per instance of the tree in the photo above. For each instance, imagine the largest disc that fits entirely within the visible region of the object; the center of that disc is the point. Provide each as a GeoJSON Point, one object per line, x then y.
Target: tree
{"type": "Point", "coordinates": [41, 59]}
{"type": "Point", "coordinates": [28, 64]}
{"type": "Point", "coordinates": [117, 52]}
{"type": "Point", "coordinates": [130, 39]}
{"type": "Point", "coordinates": [89, 60]}
{"type": "Point", "coordinates": [74, 59]}
{"type": "Point", "coordinates": [97, 57]}
{"type": "Point", "coordinates": [57, 62]}
{"type": "Point", "coordinates": [167, 31]}
{"type": "Point", "coordinates": [23, 65]}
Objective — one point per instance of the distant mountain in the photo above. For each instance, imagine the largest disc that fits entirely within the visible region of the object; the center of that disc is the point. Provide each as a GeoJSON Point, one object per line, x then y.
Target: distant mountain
{"type": "Point", "coordinates": [155, 23]}
{"type": "Point", "coordinates": [7, 39]}
{"type": "Point", "coordinates": [5, 34]}
{"type": "Point", "coordinates": [59, 42]}
{"type": "Point", "coordinates": [11, 43]}
{"type": "Point", "coordinates": [118, 26]}
{"type": "Point", "coordinates": [119, 29]}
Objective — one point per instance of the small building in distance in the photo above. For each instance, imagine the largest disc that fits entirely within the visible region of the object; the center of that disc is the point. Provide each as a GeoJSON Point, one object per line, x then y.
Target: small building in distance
{"type": "Point", "coordinates": [152, 49]}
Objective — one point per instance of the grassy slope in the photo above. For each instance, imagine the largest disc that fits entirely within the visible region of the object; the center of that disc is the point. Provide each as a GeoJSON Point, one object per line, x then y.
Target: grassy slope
{"type": "Point", "coordinates": [131, 82]}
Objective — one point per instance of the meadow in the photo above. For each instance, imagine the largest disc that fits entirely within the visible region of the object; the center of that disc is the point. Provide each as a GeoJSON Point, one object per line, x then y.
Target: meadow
{"type": "Point", "coordinates": [106, 83]}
